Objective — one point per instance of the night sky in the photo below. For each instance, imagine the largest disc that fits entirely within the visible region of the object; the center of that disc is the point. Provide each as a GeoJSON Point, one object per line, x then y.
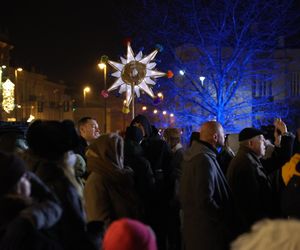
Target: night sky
{"type": "Point", "coordinates": [62, 39]}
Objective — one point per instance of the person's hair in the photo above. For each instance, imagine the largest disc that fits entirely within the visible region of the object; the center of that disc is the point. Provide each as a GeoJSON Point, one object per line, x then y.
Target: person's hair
{"type": "Point", "coordinates": [83, 121]}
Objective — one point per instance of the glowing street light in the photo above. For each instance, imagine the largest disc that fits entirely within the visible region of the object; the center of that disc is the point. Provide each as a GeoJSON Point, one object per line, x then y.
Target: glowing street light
{"type": "Point", "coordinates": [171, 115]}
{"type": "Point", "coordinates": [202, 78]}
{"type": "Point", "coordinates": [85, 91]}
{"type": "Point", "coordinates": [164, 112]}
{"type": "Point", "coordinates": [181, 72]}
{"type": "Point", "coordinates": [144, 108]}
{"type": "Point", "coordinates": [102, 66]}
{"type": "Point", "coordinates": [155, 111]}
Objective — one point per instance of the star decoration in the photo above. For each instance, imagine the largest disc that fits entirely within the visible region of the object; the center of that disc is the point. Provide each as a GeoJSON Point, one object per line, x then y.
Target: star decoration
{"type": "Point", "coordinates": [135, 72]}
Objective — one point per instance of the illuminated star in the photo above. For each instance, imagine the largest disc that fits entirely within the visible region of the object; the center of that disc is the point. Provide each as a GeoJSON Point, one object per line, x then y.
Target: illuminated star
{"type": "Point", "coordinates": [135, 72]}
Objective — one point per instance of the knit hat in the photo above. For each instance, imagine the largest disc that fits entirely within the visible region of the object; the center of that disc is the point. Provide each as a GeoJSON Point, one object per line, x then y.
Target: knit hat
{"type": "Point", "coordinates": [128, 234]}
{"type": "Point", "coordinates": [11, 170]}
{"type": "Point", "coordinates": [134, 133]}
{"type": "Point", "coordinates": [248, 133]}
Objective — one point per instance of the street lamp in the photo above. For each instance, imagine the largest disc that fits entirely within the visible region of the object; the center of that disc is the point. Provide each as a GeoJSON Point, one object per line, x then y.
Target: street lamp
{"type": "Point", "coordinates": [18, 92]}
{"type": "Point", "coordinates": [102, 66]}
{"type": "Point", "coordinates": [85, 91]}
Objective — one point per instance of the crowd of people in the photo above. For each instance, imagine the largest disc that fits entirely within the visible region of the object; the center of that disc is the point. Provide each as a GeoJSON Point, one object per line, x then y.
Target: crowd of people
{"type": "Point", "coordinates": [68, 186]}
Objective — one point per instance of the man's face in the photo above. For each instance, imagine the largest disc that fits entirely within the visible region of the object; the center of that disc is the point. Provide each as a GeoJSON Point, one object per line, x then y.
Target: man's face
{"type": "Point", "coordinates": [257, 145]}
{"type": "Point", "coordinates": [90, 131]}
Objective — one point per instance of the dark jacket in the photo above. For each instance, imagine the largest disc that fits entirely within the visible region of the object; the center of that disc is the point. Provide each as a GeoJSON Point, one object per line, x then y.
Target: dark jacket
{"type": "Point", "coordinates": [206, 200]}
{"type": "Point", "coordinates": [24, 221]}
{"type": "Point", "coordinates": [249, 180]}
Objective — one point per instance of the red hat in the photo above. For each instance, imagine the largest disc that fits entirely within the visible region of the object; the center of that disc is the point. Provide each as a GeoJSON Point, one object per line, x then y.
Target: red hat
{"type": "Point", "coordinates": [128, 234]}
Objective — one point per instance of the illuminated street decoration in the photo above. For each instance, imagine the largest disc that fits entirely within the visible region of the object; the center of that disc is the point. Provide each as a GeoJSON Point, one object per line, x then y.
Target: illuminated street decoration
{"type": "Point", "coordinates": [8, 97]}
{"type": "Point", "coordinates": [135, 73]}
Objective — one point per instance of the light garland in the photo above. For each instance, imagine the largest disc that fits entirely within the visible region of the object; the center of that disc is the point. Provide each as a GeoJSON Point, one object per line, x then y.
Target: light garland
{"type": "Point", "coordinates": [8, 96]}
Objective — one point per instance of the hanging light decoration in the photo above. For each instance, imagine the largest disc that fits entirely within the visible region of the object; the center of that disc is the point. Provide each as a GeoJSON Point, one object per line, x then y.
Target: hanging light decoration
{"type": "Point", "coordinates": [8, 96]}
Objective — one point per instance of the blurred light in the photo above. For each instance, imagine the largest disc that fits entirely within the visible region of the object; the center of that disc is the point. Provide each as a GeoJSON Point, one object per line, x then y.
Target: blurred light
{"type": "Point", "coordinates": [31, 118]}
{"type": "Point", "coordinates": [124, 102]}
{"type": "Point", "coordinates": [101, 65]}
{"type": "Point", "coordinates": [87, 89]}
{"type": "Point", "coordinates": [160, 95]}
{"type": "Point", "coordinates": [19, 69]}
{"type": "Point", "coordinates": [202, 78]}
{"type": "Point", "coordinates": [164, 112]}
{"type": "Point", "coordinates": [181, 72]}
{"type": "Point", "coordinates": [8, 96]}
{"type": "Point", "coordinates": [19, 106]}
{"type": "Point", "coordinates": [171, 115]}
{"type": "Point", "coordinates": [3, 66]}
{"type": "Point", "coordinates": [144, 108]}
{"type": "Point", "coordinates": [155, 111]}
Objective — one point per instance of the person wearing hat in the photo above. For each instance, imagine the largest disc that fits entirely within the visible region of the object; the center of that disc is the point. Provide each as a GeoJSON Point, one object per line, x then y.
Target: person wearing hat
{"type": "Point", "coordinates": [27, 207]}
{"type": "Point", "coordinates": [249, 176]}
{"type": "Point", "coordinates": [129, 234]}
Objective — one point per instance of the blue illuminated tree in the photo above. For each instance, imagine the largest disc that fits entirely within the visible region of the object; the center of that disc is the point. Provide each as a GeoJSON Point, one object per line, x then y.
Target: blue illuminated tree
{"type": "Point", "coordinates": [235, 44]}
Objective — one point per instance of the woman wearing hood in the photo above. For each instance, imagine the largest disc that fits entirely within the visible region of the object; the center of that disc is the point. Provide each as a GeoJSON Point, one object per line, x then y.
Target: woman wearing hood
{"type": "Point", "coordinates": [109, 190]}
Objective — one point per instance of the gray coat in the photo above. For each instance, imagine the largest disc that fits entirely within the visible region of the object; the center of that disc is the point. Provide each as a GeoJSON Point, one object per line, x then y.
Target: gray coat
{"type": "Point", "coordinates": [206, 200]}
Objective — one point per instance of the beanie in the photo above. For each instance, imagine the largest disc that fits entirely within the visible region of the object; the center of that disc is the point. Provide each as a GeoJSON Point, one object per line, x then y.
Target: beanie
{"type": "Point", "coordinates": [11, 170]}
{"type": "Point", "coordinates": [128, 234]}
{"type": "Point", "coordinates": [248, 133]}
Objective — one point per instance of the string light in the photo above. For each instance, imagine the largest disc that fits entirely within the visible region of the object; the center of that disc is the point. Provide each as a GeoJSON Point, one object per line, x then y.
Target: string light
{"type": "Point", "coordinates": [8, 97]}
{"type": "Point", "coordinates": [144, 108]}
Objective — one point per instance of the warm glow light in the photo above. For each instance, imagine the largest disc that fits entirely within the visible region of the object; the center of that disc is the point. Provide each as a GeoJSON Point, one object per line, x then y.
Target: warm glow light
{"type": "Point", "coordinates": [101, 65]}
{"type": "Point", "coordinates": [171, 115]}
{"type": "Point", "coordinates": [160, 95]}
{"type": "Point", "coordinates": [3, 66]}
{"type": "Point", "coordinates": [31, 118]}
{"type": "Point", "coordinates": [86, 89]}
{"type": "Point", "coordinates": [164, 112]}
{"type": "Point", "coordinates": [144, 108]}
{"type": "Point", "coordinates": [19, 69]}
{"type": "Point", "coordinates": [155, 111]}
{"type": "Point", "coordinates": [8, 96]}
{"type": "Point", "coordinates": [124, 102]}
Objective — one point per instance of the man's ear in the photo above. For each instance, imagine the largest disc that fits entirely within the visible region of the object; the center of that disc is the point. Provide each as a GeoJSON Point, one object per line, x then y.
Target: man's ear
{"type": "Point", "coordinates": [215, 137]}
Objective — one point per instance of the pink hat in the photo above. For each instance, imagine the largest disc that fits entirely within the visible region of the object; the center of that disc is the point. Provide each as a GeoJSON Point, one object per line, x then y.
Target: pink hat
{"type": "Point", "coordinates": [128, 234]}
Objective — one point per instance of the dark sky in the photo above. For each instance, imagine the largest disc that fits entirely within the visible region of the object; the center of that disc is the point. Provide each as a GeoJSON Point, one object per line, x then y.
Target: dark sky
{"type": "Point", "coordinates": [63, 39]}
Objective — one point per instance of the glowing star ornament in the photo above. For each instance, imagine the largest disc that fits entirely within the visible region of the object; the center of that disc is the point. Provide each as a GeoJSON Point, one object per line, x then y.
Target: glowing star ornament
{"type": "Point", "coordinates": [135, 73]}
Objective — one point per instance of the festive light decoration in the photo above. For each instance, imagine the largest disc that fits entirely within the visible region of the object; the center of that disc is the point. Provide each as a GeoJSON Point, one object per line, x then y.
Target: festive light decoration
{"type": "Point", "coordinates": [170, 74]}
{"type": "Point", "coordinates": [104, 93]}
{"type": "Point", "coordinates": [8, 96]}
{"type": "Point", "coordinates": [135, 72]}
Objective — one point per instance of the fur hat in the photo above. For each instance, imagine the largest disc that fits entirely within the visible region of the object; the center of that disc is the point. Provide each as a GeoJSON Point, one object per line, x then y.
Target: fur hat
{"type": "Point", "coordinates": [143, 120]}
{"type": "Point", "coordinates": [12, 169]}
{"type": "Point", "coordinates": [248, 133]}
{"type": "Point", "coordinates": [128, 234]}
{"type": "Point", "coordinates": [51, 139]}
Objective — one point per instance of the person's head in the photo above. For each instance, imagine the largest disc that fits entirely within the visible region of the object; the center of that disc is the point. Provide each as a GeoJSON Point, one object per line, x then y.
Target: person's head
{"type": "Point", "coordinates": [13, 178]}
{"type": "Point", "coordinates": [212, 132]}
{"type": "Point", "coordinates": [172, 136]}
{"type": "Point", "coordinates": [195, 136]}
{"type": "Point", "coordinates": [88, 129]}
{"type": "Point", "coordinates": [51, 139]}
{"type": "Point", "coordinates": [107, 149]}
{"type": "Point", "coordinates": [143, 123]}
{"type": "Point", "coordinates": [134, 133]}
{"type": "Point", "coordinates": [128, 234]}
{"type": "Point", "coordinates": [270, 234]}
{"type": "Point", "coordinates": [254, 140]}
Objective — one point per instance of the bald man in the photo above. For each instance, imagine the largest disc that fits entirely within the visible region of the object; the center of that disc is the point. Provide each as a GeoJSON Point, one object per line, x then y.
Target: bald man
{"type": "Point", "coordinates": [206, 199]}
